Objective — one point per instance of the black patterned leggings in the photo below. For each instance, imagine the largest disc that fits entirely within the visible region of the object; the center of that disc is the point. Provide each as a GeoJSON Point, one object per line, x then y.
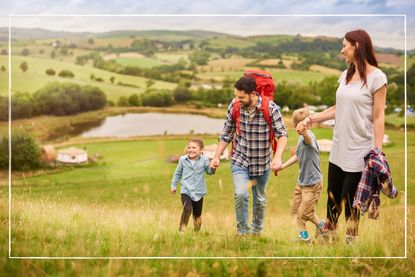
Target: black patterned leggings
{"type": "Point", "coordinates": [189, 207]}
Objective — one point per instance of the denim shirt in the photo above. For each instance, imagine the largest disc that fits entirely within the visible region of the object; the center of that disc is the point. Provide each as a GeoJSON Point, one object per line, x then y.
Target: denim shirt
{"type": "Point", "coordinates": [193, 176]}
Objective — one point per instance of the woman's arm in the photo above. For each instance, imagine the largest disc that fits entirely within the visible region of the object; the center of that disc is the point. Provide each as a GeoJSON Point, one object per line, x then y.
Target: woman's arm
{"type": "Point", "coordinates": [379, 102]}
{"type": "Point", "coordinates": [318, 117]}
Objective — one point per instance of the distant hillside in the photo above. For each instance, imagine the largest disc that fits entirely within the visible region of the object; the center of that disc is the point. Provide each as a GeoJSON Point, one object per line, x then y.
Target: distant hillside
{"type": "Point", "coordinates": [288, 43]}
{"type": "Point", "coordinates": [37, 33]}
{"type": "Point", "coordinates": [161, 34]}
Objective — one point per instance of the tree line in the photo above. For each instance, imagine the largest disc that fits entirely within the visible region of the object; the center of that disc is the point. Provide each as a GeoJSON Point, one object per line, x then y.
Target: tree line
{"type": "Point", "coordinates": [54, 99]}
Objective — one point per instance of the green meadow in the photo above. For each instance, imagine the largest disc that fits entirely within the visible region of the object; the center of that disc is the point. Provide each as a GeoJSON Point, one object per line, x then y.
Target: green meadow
{"type": "Point", "coordinates": [291, 76]}
{"type": "Point", "coordinates": [35, 77]}
{"type": "Point", "coordinates": [121, 206]}
{"type": "Point", "coordinates": [143, 62]}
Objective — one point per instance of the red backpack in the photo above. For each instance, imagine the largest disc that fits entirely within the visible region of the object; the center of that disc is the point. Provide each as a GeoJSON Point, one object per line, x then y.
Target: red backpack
{"type": "Point", "coordinates": [265, 87]}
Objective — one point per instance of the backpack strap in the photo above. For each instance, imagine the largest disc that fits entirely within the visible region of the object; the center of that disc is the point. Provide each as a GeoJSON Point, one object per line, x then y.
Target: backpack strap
{"type": "Point", "coordinates": [236, 115]}
{"type": "Point", "coordinates": [267, 117]}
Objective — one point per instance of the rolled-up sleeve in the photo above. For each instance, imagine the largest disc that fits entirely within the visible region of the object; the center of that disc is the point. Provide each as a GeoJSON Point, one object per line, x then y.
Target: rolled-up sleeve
{"type": "Point", "coordinates": [277, 122]}
{"type": "Point", "coordinates": [229, 126]}
{"type": "Point", "coordinates": [177, 174]}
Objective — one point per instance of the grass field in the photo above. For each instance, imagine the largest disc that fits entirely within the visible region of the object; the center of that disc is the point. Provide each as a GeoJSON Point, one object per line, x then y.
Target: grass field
{"type": "Point", "coordinates": [143, 62]}
{"type": "Point", "coordinates": [35, 77]}
{"type": "Point", "coordinates": [121, 206]}
{"type": "Point", "coordinates": [225, 42]}
{"type": "Point", "coordinates": [291, 76]}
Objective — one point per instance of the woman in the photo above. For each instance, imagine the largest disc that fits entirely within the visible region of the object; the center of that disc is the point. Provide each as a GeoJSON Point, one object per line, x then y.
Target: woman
{"type": "Point", "coordinates": [359, 127]}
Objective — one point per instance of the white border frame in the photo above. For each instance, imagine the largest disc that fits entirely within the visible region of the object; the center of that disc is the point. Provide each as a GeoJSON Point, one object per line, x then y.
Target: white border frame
{"type": "Point", "coordinates": [206, 15]}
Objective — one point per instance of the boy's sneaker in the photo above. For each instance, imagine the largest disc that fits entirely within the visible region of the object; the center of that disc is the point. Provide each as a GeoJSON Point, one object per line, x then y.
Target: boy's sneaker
{"type": "Point", "coordinates": [303, 236]}
{"type": "Point", "coordinates": [320, 231]}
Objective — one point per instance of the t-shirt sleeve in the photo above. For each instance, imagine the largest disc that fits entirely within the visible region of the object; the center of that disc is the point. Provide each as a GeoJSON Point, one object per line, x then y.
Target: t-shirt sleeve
{"type": "Point", "coordinates": [342, 77]}
{"type": "Point", "coordinates": [379, 81]}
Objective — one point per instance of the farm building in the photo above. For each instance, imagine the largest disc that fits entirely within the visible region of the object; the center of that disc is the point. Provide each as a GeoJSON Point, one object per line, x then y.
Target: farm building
{"type": "Point", "coordinates": [72, 155]}
{"type": "Point", "coordinates": [47, 154]}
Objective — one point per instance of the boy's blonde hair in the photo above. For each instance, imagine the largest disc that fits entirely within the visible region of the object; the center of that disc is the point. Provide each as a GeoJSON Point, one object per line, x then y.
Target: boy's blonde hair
{"type": "Point", "coordinates": [299, 115]}
{"type": "Point", "coordinates": [198, 141]}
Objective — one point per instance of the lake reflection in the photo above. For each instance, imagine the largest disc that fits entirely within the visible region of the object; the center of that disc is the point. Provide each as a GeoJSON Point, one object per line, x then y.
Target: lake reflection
{"type": "Point", "coordinates": [147, 124]}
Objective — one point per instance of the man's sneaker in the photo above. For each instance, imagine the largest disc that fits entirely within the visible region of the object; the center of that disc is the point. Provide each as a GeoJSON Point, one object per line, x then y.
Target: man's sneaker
{"type": "Point", "coordinates": [320, 231]}
{"type": "Point", "coordinates": [303, 236]}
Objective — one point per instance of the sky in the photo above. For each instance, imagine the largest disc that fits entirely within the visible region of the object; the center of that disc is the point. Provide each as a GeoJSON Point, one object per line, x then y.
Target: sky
{"type": "Point", "coordinates": [383, 19]}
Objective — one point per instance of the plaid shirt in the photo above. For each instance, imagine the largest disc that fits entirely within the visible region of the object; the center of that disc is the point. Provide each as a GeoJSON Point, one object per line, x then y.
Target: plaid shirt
{"type": "Point", "coordinates": [252, 145]}
{"type": "Point", "coordinates": [376, 177]}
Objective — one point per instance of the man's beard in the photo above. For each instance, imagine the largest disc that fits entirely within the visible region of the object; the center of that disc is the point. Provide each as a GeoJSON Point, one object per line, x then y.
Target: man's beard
{"type": "Point", "coordinates": [247, 104]}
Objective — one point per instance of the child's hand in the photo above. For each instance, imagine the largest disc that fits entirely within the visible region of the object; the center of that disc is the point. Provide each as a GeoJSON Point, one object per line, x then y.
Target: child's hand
{"type": "Point", "coordinates": [173, 191]}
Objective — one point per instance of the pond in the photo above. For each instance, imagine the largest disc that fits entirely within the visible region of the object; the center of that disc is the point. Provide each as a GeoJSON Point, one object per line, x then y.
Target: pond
{"type": "Point", "coordinates": [150, 124]}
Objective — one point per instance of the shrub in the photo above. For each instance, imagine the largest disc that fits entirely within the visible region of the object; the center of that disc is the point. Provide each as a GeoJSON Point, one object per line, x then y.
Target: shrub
{"type": "Point", "coordinates": [66, 74]}
{"type": "Point", "coordinates": [24, 152]}
{"type": "Point", "coordinates": [159, 98]}
{"type": "Point", "coordinates": [50, 72]}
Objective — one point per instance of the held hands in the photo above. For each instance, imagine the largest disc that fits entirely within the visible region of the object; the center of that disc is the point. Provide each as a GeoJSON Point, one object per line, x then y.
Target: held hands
{"type": "Point", "coordinates": [276, 164]}
{"type": "Point", "coordinates": [214, 163]}
{"type": "Point", "coordinates": [303, 125]}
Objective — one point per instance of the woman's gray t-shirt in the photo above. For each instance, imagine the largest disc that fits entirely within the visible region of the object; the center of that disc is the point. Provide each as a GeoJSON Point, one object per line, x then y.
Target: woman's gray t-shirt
{"type": "Point", "coordinates": [309, 161]}
{"type": "Point", "coordinates": [354, 134]}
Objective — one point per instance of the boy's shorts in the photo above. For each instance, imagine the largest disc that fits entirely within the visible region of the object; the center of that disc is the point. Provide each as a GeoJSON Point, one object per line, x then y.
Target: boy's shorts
{"type": "Point", "coordinates": [306, 197]}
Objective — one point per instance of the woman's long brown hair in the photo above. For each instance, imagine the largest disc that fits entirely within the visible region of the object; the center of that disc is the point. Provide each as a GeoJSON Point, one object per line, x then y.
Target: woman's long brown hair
{"type": "Point", "coordinates": [364, 52]}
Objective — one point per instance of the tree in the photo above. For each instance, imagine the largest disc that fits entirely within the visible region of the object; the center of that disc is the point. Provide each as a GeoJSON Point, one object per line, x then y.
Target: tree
{"type": "Point", "coordinates": [25, 152]}
{"type": "Point", "coordinates": [23, 106]}
{"type": "Point", "coordinates": [326, 89]}
{"type": "Point", "coordinates": [159, 98]}
{"type": "Point", "coordinates": [4, 52]}
{"type": "Point", "coordinates": [24, 67]}
{"type": "Point", "coordinates": [122, 101]}
{"type": "Point", "coordinates": [134, 100]}
{"type": "Point", "coordinates": [53, 54]}
{"type": "Point", "coordinates": [199, 57]}
{"type": "Point", "coordinates": [91, 41]}
{"type": "Point", "coordinates": [112, 79]}
{"type": "Point", "coordinates": [68, 98]}
{"type": "Point", "coordinates": [182, 92]}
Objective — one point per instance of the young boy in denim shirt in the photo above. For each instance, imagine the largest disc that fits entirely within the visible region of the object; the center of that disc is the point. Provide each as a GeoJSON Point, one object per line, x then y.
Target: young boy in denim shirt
{"type": "Point", "coordinates": [191, 169]}
{"type": "Point", "coordinates": [309, 186]}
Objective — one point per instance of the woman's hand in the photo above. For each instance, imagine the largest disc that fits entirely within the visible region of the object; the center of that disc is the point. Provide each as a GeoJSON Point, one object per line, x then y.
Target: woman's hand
{"type": "Point", "coordinates": [303, 125]}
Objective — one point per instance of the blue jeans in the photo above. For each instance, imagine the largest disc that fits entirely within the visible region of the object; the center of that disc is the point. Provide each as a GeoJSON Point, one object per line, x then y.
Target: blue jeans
{"type": "Point", "coordinates": [241, 179]}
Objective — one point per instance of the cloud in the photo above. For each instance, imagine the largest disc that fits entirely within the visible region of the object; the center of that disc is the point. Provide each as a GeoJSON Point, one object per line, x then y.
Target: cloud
{"type": "Point", "coordinates": [388, 31]}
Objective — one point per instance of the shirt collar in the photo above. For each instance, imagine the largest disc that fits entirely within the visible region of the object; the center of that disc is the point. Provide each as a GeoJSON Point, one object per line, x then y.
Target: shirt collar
{"type": "Point", "coordinates": [198, 158]}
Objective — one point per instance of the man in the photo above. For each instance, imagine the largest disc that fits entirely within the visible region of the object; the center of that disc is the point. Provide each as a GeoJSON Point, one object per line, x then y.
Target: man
{"type": "Point", "coordinates": [251, 159]}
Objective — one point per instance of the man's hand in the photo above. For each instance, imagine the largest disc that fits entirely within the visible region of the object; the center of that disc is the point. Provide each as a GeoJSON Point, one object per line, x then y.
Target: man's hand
{"type": "Point", "coordinates": [214, 163]}
{"type": "Point", "coordinates": [276, 164]}
{"type": "Point", "coordinates": [173, 191]}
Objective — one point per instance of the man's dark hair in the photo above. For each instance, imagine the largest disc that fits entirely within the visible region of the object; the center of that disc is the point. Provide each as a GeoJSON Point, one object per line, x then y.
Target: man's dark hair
{"type": "Point", "coordinates": [246, 84]}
